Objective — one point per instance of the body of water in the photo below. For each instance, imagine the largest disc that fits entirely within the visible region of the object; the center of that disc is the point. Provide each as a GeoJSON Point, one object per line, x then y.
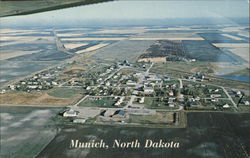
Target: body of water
{"type": "Point", "coordinates": [239, 78]}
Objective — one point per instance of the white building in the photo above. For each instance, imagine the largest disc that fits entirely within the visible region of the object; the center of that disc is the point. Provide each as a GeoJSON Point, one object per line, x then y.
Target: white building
{"type": "Point", "coordinates": [3, 91]}
{"type": "Point", "coordinates": [226, 106]}
{"type": "Point", "coordinates": [171, 105]}
{"type": "Point", "coordinates": [215, 95]}
{"type": "Point", "coordinates": [79, 121]}
{"type": "Point", "coordinates": [118, 103]}
{"type": "Point", "coordinates": [32, 86]}
{"type": "Point", "coordinates": [141, 100]}
{"type": "Point", "coordinates": [12, 87]}
{"type": "Point", "coordinates": [246, 102]}
{"type": "Point", "coordinates": [70, 113]}
{"type": "Point", "coordinates": [148, 90]}
{"type": "Point", "coordinates": [130, 83]}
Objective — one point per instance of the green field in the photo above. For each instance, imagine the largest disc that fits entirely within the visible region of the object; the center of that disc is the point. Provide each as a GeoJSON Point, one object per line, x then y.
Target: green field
{"type": "Point", "coordinates": [66, 92]}
{"type": "Point", "coordinates": [161, 118]}
{"type": "Point", "coordinates": [107, 102]}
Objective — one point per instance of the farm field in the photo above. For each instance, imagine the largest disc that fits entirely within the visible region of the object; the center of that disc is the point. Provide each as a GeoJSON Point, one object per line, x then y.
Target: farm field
{"type": "Point", "coordinates": [26, 131]}
{"type": "Point", "coordinates": [207, 134]}
{"type": "Point", "coordinates": [126, 49]}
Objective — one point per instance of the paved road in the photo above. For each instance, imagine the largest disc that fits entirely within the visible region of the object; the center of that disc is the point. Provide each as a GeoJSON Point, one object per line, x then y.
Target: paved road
{"type": "Point", "coordinates": [140, 81]}
{"type": "Point", "coordinates": [86, 96]}
{"type": "Point", "coordinates": [229, 97]}
{"type": "Point", "coordinates": [181, 85]}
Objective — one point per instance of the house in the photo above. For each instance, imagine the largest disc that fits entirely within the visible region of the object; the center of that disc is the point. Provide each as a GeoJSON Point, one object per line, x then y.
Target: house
{"type": "Point", "coordinates": [173, 86]}
{"type": "Point", "coordinates": [197, 98]}
{"type": "Point", "coordinates": [130, 83]}
{"type": "Point", "coordinates": [167, 79]}
{"type": "Point", "coordinates": [32, 86]}
{"type": "Point", "coordinates": [191, 78]}
{"type": "Point", "coordinates": [238, 93]}
{"type": "Point", "coordinates": [118, 103]}
{"type": "Point", "coordinates": [70, 113]}
{"type": "Point", "coordinates": [171, 105]}
{"type": "Point", "coordinates": [215, 95]}
{"type": "Point", "coordinates": [12, 87]}
{"type": "Point", "coordinates": [226, 106]}
{"type": "Point", "coordinates": [79, 121]}
{"type": "Point", "coordinates": [154, 78]}
{"type": "Point", "coordinates": [148, 90]}
{"type": "Point", "coordinates": [125, 63]}
{"type": "Point", "coordinates": [246, 102]}
{"type": "Point", "coordinates": [107, 84]}
{"type": "Point", "coordinates": [216, 90]}
{"type": "Point", "coordinates": [171, 100]}
{"type": "Point", "coordinates": [54, 83]}
{"type": "Point", "coordinates": [191, 99]}
{"type": "Point", "coordinates": [3, 91]}
{"type": "Point", "coordinates": [181, 98]}
{"type": "Point", "coordinates": [200, 76]}
{"type": "Point", "coordinates": [214, 100]}
{"type": "Point", "coordinates": [171, 93]}
{"type": "Point", "coordinates": [141, 100]}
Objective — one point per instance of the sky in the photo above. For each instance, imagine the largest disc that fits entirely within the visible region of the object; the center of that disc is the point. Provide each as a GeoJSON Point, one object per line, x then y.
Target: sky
{"type": "Point", "coordinates": [138, 10]}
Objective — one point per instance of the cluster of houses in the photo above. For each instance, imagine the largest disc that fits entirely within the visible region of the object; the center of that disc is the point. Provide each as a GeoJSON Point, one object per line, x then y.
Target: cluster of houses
{"type": "Point", "coordinates": [41, 81]}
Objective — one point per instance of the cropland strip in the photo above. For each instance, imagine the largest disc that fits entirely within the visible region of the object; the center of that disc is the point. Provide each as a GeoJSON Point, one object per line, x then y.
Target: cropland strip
{"type": "Point", "coordinates": [232, 37]}
{"type": "Point", "coordinates": [241, 45]}
{"type": "Point", "coordinates": [74, 45]}
{"type": "Point", "coordinates": [167, 38]}
{"type": "Point", "coordinates": [92, 39]}
{"type": "Point", "coordinates": [93, 48]}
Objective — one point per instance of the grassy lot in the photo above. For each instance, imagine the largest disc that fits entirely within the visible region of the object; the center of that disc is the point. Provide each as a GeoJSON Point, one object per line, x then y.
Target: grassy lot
{"type": "Point", "coordinates": [159, 118]}
{"type": "Point", "coordinates": [155, 103]}
{"type": "Point", "coordinates": [65, 92]}
{"type": "Point", "coordinates": [107, 102]}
